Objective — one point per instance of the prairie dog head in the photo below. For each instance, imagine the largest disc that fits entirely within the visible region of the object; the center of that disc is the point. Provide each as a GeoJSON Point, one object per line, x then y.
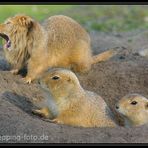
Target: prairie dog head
{"type": "Point", "coordinates": [134, 109]}
{"type": "Point", "coordinates": [15, 29]}
{"type": "Point", "coordinates": [59, 82]}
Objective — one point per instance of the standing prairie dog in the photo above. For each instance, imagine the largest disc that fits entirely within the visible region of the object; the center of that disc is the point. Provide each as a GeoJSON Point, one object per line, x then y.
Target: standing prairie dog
{"type": "Point", "coordinates": [134, 109]}
{"type": "Point", "coordinates": [59, 42]}
{"type": "Point", "coordinates": [68, 103]}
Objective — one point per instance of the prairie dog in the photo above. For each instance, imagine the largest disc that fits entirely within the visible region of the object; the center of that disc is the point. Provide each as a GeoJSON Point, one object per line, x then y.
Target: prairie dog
{"type": "Point", "coordinates": [134, 109]}
{"type": "Point", "coordinates": [68, 103]}
{"type": "Point", "coordinates": [59, 42]}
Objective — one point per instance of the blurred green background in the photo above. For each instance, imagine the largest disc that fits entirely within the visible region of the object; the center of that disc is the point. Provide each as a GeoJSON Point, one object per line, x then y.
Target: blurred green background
{"type": "Point", "coordinates": [106, 18]}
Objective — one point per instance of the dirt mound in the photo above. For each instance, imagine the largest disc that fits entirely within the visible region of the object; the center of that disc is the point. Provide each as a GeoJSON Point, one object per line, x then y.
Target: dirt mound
{"type": "Point", "coordinates": [125, 73]}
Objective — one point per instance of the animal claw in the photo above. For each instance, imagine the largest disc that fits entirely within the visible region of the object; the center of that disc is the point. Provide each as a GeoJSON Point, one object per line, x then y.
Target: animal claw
{"type": "Point", "coordinates": [56, 121]}
{"type": "Point", "coordinates": [27, 80]}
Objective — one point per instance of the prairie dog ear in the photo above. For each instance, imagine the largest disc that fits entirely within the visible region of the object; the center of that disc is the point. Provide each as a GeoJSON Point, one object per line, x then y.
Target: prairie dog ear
{"type": "Point", "coordinates": [69, 79]}
{"type": "Point", "coordinates": [25, 21]}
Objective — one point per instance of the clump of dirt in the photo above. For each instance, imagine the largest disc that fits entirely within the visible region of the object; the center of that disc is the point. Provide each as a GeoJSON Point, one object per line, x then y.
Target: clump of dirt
{"type": "Point", "coordinates": [125, 73]}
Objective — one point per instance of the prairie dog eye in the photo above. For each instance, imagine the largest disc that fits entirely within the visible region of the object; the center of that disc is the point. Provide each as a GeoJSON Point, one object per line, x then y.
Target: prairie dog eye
{"type": "Point", "coordinates": [8, 22]}
{"type": "Point", "coordinates": [55, 77]}
{"type": "Point", "coordinates": [134, 102]}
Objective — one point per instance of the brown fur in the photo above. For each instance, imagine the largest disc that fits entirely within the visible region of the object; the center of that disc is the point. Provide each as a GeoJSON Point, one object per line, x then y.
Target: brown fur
{"type": "Point", "coordinates": [133, 114]}
{"type": "Point", "coordinates": [59, 42]}
{"type": "Point", "coordinates": [68, 103]}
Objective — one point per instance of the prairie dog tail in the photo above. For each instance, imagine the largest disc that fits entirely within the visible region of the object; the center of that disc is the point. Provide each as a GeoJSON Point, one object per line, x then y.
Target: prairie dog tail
{"type": "Point", "coordinates": [104, 56]}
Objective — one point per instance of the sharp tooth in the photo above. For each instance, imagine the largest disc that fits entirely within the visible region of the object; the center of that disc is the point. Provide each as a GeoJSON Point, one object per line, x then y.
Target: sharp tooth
{"type": "Point", "coordinates": [8, 44]}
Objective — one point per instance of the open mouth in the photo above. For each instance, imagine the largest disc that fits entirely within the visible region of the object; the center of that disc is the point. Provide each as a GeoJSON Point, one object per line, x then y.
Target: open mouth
{"type": "Point", "coordinates": [7, 40]}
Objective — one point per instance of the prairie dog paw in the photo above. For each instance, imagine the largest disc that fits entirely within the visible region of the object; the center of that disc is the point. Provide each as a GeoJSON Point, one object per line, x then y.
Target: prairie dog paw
{"type": "Point", "coordinates": [56, 121]}
{"type": "Point", "coordinates": [14, 71]}
{"type": "Point", "coordinates": [44, 112]}
{"type": "Point", "coordinates": [27, 80]}
{"type": "Point", "coordinates": [36, 112]}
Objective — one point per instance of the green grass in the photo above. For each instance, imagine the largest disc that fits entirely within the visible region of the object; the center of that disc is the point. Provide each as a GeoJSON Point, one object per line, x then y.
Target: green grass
{"type": "Point", "coordinates": [111, 18]}
{"type": "Point", "coordinates": [107, 18]}
{"type": "Point", "coordinates": [38, 12]}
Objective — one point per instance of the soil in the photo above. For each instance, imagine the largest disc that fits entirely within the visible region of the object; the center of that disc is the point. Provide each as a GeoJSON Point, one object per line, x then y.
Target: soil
{"type": "Point", "coordinates": [127, 72]}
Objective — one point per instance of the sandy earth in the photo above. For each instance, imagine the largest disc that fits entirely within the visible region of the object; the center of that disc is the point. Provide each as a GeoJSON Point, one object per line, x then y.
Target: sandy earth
{"type": "Point", "coordinates": [125, 73]}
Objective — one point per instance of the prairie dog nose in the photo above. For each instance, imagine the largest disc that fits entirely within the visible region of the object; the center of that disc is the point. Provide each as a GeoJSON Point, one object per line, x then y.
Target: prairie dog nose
{"type": "Point", "coordinates": [117, 107]}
